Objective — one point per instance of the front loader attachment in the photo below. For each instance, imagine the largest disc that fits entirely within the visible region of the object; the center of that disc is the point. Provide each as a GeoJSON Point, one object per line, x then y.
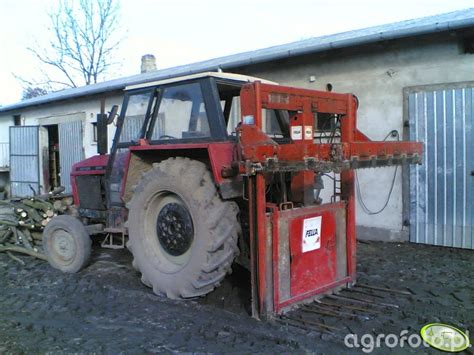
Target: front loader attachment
{"type": "Point", "coordinates": [301, 249]}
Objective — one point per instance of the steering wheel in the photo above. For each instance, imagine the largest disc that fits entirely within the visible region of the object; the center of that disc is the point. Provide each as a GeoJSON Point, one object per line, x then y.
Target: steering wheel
{"type": "Point", "coordinates": [167, 136]}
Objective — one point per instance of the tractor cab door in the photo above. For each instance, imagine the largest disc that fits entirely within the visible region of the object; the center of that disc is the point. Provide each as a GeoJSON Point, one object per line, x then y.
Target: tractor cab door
{"type": "Point", "coordinates": [131, 126]}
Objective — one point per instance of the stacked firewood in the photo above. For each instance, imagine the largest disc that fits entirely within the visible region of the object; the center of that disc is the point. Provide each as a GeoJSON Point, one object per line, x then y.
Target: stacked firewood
{"type": "Point", "coordinates": [22, 222]}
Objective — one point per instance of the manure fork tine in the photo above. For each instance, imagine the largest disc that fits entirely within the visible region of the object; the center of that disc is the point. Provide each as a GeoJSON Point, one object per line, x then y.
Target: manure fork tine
{"type": "Point", "coordinates": [383, 289]}
{"type": "Point", "coordinates": [355, 308]}
{"type": "Point", "coordinates": [337, 311]}
{"type": "Point", "coordinates": [358, 300]}
{"type": "Point", "coordinates": [321, 312]}
{"type": "Point", "coordinates": [362, 292]}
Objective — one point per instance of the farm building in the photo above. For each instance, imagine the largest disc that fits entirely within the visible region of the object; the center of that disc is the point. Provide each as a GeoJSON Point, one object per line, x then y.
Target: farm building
{"type": "Point", "coordinates": [414, 77]}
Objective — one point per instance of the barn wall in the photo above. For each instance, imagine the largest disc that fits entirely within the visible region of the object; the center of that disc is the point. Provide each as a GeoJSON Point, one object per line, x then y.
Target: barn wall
{"type": "Point", "coordinates": [377, 74]}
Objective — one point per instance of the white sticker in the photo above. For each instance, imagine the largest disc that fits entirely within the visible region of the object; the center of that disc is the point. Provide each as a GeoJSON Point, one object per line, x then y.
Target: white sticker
{"type": "Point", "coordinates": [311, 234]}
{"type": "Point", "coordinates": [308, 132]}
{"type": "Point", "coordinates": [249, 119]}
{"type": "Point", "coordinates": [296, 132]}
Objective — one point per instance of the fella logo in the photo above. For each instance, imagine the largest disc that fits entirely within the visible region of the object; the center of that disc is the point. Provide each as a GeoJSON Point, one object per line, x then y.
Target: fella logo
{"type": "Point", "coordinates": [312, 232]}
{"type": "Point", "coordinates": [311, 236]}
{"type": "Point", "coordinates": [296, 132]}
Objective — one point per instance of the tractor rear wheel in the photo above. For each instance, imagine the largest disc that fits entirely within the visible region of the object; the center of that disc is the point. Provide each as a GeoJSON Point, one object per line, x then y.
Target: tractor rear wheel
{"type": "Point", "coordinates": [183, 237]}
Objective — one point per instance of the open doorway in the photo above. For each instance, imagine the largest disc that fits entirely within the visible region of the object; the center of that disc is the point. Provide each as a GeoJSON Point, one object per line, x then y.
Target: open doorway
{"type": "Point", "coordinates": [53, 149]}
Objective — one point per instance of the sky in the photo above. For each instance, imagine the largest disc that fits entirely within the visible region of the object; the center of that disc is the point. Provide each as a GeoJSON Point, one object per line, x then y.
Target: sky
{"type": "Point", "coordinates": [185, 31]}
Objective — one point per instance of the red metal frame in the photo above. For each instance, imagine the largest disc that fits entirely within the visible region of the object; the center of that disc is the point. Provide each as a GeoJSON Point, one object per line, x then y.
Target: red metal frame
{"type": "Point", "coordinates": [257, 149]}
{"type": "Point", "coordinates": [279, 304]}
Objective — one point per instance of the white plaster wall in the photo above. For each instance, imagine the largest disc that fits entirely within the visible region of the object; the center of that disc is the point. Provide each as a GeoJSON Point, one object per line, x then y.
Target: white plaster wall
{"type": "Point", "coordinates": [377, 75]}
{"type": "Point", "coordinates": [4, 148]}
{"type": "Point", "coordinates": [62, 112]}
{"type": "Point", "coordinates": [5, 122]}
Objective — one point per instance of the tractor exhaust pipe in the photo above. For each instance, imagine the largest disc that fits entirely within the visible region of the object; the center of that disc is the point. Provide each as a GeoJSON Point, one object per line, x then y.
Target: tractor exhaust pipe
{"type": "Point", "coordinates": [103, 120]}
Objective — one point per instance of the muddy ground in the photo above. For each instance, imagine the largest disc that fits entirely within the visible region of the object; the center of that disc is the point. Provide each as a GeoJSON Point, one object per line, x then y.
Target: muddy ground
{"type": "Point", "coordinates": [106, 309]}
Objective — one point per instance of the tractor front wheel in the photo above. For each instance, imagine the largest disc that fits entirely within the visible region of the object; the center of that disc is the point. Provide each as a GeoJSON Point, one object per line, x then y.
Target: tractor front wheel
{"type": "Point", "coordinates": [183, 237]}
{"type": "Point", "coordinates": [67, 244]}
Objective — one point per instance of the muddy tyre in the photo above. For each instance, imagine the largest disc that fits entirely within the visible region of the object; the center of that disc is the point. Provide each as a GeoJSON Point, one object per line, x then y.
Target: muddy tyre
{"type": "Point", "coordinates": [67, 244]}
{"type": "Point", "coordinates": [183, 237]}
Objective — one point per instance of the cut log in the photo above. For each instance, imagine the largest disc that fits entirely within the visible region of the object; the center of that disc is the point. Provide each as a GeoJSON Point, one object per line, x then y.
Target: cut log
{"type": "Point", "coordinates": [22, 250]}
{"type": "Point", "coordinates": [37, 236]}
{"type": "Point", "coordinates": [68, 201]}
{"type": "Point", "coordinates": [24, 239]}
{"type": "Point", "coordinates": [6, 236]}
{"type": "Point", "coordinates": [22, 221]}
{"type": "Point", "coordinates": [17, 259]}
{"type": "Point", "coordinates": [8, 223]}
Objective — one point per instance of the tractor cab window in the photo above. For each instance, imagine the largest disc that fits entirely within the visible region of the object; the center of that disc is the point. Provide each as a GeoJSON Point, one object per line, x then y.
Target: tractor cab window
{"type": "Point", "coordinates": [182, 114]}
{"type": "Point", "coordinates": [231, 109]}
{"type": "Point", "coordinates": [230, 104]}
{"type": "Point", "coordinates": [276, 123]}
{"type": "Point", "coordinates": [137, 108]}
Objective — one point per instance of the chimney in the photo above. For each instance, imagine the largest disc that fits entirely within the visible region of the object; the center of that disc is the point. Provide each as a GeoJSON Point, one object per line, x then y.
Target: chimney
{"type": "Point", "coordinates": [148, 63]}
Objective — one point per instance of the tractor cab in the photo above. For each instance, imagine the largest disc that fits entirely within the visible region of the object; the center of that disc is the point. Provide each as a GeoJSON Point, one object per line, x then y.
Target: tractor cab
{"type": "Point", "coordinates": [195, 108]}
{"type": "Point", "coordinates": [176, 113]}
{"type": "Point", "coordinates": [166, 114]}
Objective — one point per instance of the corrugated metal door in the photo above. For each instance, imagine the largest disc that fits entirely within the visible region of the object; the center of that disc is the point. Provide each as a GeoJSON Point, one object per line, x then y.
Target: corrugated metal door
{"type": "Point", "coordinates": [441, 190]}
{"type": "Point", "coordinates": [24, 160]}
{"type": "Point", "coordinates": [132, 127]}
{"type": "Point", "coordinates": [71, 150]}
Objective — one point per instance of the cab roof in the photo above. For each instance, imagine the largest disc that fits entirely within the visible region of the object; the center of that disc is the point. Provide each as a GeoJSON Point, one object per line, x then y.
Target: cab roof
{"type": "Point", "coordinates": [218, 75]}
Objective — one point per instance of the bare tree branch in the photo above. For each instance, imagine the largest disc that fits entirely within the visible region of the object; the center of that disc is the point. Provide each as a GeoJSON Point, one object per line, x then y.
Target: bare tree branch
{"type": "Point", "coordinates": [84, 36]}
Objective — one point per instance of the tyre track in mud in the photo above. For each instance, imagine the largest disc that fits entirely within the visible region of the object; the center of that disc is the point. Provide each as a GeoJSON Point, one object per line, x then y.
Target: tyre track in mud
{"type": "Point", "coordinates": [105, 308]}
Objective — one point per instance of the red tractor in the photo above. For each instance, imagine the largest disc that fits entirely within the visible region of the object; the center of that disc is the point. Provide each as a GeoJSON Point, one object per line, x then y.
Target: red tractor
{"type": "Point", "coordinates": [210, 169]}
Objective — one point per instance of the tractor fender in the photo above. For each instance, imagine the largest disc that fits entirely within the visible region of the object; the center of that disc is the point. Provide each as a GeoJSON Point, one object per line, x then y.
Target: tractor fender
{"type": "Point", "coordinates": [215, 155]}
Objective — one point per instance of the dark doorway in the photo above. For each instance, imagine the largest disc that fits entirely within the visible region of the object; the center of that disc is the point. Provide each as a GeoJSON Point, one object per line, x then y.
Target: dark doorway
{"type": "Point", "coordinates": [53, 148]}
{"type": "Point", "coordinates": [17, 120]}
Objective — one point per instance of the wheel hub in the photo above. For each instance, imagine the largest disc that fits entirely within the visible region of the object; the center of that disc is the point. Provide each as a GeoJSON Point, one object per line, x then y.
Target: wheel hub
{"type": "Point", "coordinates": [175, 229]}
{"type": "Point", "coordinates": [63, 245]}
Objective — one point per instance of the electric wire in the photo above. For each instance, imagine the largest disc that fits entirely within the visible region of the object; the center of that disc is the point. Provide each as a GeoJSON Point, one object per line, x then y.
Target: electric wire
{"type": "Point", "coordinates": [367, 210]}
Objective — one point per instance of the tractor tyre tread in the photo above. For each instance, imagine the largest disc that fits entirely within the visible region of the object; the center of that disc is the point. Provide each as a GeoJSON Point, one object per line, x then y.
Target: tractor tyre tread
{"type": "Point", "coordinates": [216, 229]}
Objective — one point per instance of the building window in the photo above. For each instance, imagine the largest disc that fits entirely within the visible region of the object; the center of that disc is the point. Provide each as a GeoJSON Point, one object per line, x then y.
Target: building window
{"type": "Point", "coordinates": [94, 132]}
{"type": "Point", "coordinates": [468, 45]}
{"type": "Point", "coordinates": [17, 120]}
